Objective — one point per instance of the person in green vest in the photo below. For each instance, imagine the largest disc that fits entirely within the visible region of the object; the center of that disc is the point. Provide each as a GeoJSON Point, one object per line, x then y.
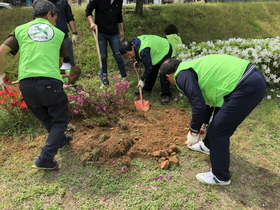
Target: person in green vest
{"type": "Point", "coordinates": [41, 54]}
{"type": "Point", "coordinates": [152, 50]}
{"type": "Point", "coordinates": [171, 34]}
{"type": "Point", "coordinates": [228, 82]}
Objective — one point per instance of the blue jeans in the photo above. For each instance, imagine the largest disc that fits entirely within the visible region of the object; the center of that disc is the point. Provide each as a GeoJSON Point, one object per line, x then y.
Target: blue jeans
{"type": "Point", "coordinates": [114, 42]}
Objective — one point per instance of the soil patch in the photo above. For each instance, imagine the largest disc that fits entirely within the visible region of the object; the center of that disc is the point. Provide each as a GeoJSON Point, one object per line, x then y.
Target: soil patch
{"type": "Point", "coordinates": [138, 135]}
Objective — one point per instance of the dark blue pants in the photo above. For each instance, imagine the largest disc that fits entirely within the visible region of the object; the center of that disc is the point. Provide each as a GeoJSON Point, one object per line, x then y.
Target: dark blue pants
{"type": "Point", "coordinates": [48, 102]}
{"type": "Point", "coordinates": [69, 48]}
{"type": "Point", "coordinates": [151, 79]}
{"type": "Point", "coordinates": [236, 108]}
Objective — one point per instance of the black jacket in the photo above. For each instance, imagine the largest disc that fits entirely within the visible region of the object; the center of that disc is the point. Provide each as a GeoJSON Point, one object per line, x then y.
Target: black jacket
{"type": "Point", "coordinates": [64, 15]}
{"type": "Point", "coordinates": [107, 15]}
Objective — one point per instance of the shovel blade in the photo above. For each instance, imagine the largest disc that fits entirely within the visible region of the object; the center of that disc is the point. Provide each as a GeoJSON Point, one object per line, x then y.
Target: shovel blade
{"type": "Point", "coordinates": [142, 105]}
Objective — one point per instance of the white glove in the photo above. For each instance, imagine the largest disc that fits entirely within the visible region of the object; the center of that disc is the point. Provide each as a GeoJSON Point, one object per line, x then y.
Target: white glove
{"type": "Point", "coordinates": [141, 84]}
{"type": "Point", "coordinates": [202, 131]}
{"type": "Point", "coordinates": [2, 83]}
{"type": "Point", "coordinates": [74, 38]}
{"type": "Point", "coordinates": [192, 138]}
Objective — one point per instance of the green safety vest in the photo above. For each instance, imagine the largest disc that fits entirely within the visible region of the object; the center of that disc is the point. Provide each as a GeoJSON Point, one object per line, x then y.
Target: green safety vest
{"type": "Point", "coordinates": [218, 75]}
{"type": "Point", "coordinates": [39, 44]}
{"type": "Point", "coordinates": [159, 47]}
{"type": "Point", "coordinates": [174, 40]}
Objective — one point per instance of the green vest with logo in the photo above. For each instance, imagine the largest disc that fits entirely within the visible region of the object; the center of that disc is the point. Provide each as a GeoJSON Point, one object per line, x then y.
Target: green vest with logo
{"type": "Point", "coordinates": [39, 44]}
{"type": "Point", "coordinates": [218, 75]}
{"type": "Point", "coordinates": [174, 40]}
{"type": "Point", "coordinates": [159, 47]}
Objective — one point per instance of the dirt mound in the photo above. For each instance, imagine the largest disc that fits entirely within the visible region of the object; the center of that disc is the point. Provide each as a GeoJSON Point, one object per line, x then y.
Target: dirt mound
{"type": "Point", "coordinates": [139, 135]}
{"type": "Point", "coordinates": [143, 134]}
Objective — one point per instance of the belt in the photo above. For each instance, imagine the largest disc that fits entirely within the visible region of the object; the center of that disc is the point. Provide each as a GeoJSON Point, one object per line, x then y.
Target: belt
{"type": "Point", "coordinates": [249, 70]}
{"type": "Point", "coordinates": [36, 78]}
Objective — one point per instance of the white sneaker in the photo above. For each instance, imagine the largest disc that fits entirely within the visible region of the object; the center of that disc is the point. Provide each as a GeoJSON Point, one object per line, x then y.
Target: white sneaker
{"type": "Point", "coordinates": [200, 147]}
{"type": "Point", "coordinates": [210, 178]}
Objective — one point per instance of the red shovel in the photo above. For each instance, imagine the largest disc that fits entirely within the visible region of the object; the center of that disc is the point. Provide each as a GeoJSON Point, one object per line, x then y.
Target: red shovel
{"type": "Point", "coordinates": [141, 104]}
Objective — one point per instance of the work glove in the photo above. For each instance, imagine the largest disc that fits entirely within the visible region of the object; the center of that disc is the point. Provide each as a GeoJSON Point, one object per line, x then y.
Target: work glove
{"type": "Point", "coordinates": [74, 38]}
{"type": "Point", "coordinates": [4, 82]}
{"type": "Point", "coordinates": [202, 131]}
{"type": "Point", "coordinates": [141, 84]}
{"type": "Point", "coordinates": [192, 138]}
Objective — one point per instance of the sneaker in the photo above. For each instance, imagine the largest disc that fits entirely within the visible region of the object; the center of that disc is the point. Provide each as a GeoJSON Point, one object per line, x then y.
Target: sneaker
{"type": "Point", "coordinates": [164, 99]}
{"type": "Point", "coordinates": [210, 178]}
{"type": "Point", "coordinates": [41, 164]}
{"type": "Point", "coordinates": [143, 92]}
{"type": "Point", "coordinates": [104, 78]}
{"type": "Point", "coordinates": [200, 147]}
{"type": "Point", "coordinates": [67, 137]}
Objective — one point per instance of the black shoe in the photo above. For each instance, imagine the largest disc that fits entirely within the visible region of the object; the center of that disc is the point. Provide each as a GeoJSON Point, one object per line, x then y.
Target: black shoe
{"type": "Point", "coordinates": [42, 164]}
{"type": "Point", "coordinates": [143, 92]}
{"type": "Point", "coordinates": [164, 99]}
{"type": "Point", "coordinates": [67, 137]}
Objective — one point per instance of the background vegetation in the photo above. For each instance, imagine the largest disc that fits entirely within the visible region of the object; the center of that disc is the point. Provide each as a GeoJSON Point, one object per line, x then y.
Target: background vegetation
{"type": "Point", "coordinates": [255, 145]}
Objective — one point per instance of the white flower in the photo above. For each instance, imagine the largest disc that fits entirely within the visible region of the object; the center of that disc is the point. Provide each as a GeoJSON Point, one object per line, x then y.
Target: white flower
{"type": "Point", "coordinates": [268, 97]}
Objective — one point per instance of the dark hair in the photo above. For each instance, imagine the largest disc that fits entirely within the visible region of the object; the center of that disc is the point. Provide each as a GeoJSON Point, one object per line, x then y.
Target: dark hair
{"type": "Point", "coordinates": [171, 29]}
{"type": "Point", "coordinates": [42, 7]}
{"type": "Point", "coordinates": [125, 46]}
{"type": "Point", "coordinates": [169, 66]}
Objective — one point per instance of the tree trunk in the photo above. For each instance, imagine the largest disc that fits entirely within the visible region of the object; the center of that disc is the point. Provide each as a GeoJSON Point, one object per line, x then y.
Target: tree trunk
{"type": "Point", "coordinates": [139, 7]}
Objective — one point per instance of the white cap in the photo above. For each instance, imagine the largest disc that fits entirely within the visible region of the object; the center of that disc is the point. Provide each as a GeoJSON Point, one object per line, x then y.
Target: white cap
{"type": "Point", "coordinates": [65, 66]}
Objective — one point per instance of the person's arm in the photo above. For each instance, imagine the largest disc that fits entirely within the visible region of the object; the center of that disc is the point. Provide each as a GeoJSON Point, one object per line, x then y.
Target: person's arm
{"type": "Point", "coordinates": [120, 24]}
{"type": "Point", "coordinates": [188, 82]}
{"type": "Point", "coordinates": [71, 22]}
{"type": "Point", "coordinates": [9, 45]}
{"type": "Point", "coordinates": [4, 49]}
{"type": "Point", "coordinates": [90, 7]}
{"type": "Point", "coordinates": [74, 32]}
{"type": "Point", "coordinates": [121, 31]}
{"type": "Point", "coordinates": [147, 61]}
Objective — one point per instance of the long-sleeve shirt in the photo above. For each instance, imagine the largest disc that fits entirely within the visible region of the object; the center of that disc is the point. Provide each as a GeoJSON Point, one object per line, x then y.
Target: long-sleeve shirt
{"type": "Point", "coordinates": [107, 15]}
{"type": "Point", "coordinates": [64, 15]}
{"type": "Point", "coordinates": [187, 80]}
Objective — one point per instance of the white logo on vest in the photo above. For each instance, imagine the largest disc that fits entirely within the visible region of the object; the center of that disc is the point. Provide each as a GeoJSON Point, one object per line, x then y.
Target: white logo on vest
{"type": "Point", "coordinates": [40, 32]}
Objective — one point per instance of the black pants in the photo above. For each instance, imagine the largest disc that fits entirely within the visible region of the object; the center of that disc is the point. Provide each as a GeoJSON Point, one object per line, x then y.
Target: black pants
{"type": "Point", "coordinates": [48, 102]}
{"type": "Point", "coordinates": [237, 106]}
{"type": "Point", "coordinates": [151, 79]}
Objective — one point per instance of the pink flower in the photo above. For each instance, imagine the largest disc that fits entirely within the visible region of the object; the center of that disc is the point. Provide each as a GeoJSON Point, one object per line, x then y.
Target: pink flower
{"type": "Point", "coordinates": [161, 178]}
{"type": "Point", "coordinates": [122, 170]}
{"type": "Point", "coordinates": [155, 178]}
{"type": "Point", "coordinates": [113, 162]}
{"type": "Point", "coordinates": [169, 177]}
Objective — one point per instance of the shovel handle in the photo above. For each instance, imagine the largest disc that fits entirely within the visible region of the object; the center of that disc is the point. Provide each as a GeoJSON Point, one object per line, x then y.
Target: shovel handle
{"type": "Point", "coordinates": [95, 35]}
{"type": "Point", "coordinates": [141, 96]}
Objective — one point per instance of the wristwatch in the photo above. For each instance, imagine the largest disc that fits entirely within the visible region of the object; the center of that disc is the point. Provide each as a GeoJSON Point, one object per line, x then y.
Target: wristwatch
{"type": "Point", "coordinates": [76, 33]}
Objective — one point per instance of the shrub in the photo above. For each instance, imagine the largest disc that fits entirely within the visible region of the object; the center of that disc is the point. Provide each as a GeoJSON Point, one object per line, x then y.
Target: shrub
{"type": "Point", "coordinates": [263, 53]}
{"type": "Point", "coordinates": [98, 100]}
{"type": "Point", "coordinates": [15, 117]}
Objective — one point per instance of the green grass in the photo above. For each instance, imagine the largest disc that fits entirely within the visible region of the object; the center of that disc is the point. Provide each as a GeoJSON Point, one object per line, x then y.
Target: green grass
{"type": "Point", "coordinates": [255, 146]}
